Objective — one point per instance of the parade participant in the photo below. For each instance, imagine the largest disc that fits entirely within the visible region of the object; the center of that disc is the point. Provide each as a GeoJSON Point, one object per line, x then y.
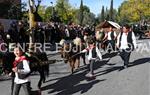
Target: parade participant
{"type": "Point", "coordinates": [126, 42]}
{"type": "Point", "coordinates": [100, 35]}
{"type": "Point", "coordinates": [21, 69]}
{"type": "Point", "coordinates": [93, 52]}
{"type": "Point", "coordinates": [110, 37]}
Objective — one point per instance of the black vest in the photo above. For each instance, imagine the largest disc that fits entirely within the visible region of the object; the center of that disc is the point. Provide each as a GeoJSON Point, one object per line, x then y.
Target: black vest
{"type": "Point", "coordinates": [129, 40]}
{"type": "Point", "coordinates": [21, 75]}
{"type": "Point", "coordinates": [94, 54]}
{"type": "Point", "coordinates": [112, 35]}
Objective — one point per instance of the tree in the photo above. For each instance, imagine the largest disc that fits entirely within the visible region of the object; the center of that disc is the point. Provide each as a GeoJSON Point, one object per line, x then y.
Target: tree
{"type": "Point", "coordinates": [48, 13]}
{"type": "Point", "coordinates": [107, 14]}
{"type": "Point", "coordinates": [41, 12]}
{"type": "Point", "coordinates": [111, 11]}
{"type": "Point", "coordinates": [102, 14]}
{"type": "Point", "coordinates": [63, 9]}
{"type": "Point", "coordinates": [37, 17]}
{"type": "Point", "coordinates": [134, 10]}
{"type": "Point", "coordinates": [10, 10]}
{"type": "Point", "coordinates": [31, 23]}
{"type": "Point", "coordinates": [24, 11]}
{"type": "Point", "coordinates": [81, 13]}
{"type": "Point", "coordinates": [88, 18]}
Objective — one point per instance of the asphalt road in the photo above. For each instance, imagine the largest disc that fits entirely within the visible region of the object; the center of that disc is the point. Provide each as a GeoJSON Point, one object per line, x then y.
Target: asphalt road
{"type": "Point", "coordinates": [111, 79]}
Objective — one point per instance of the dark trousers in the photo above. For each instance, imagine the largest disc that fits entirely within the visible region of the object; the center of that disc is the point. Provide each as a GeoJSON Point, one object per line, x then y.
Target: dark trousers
{"type": "Point", "coordinates": [110, 45]}
{"type": "Point", "coordinates": [90, 66]}
{"type": "Point", "coordinates": [26, 87]}
{"type": "Point", "coordinates": [125, 55]}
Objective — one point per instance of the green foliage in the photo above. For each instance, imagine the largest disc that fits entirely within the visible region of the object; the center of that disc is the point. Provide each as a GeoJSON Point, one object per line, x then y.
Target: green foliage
{"type": "Point", "coordinates": [48, 13]}
{"type": "Point", "coordinates": [81, 10]}
{"type": "Point", "coordinates": [111, 14]}
{"type": "Point", "coordinates": [4, 7]}
{"type": "Point", "coordinates": [11, 11]}
{"type": "Point", "coordinates": [107, 14]}
{"type": "Point", "coordinates": [89, 18]}
{"type": "Point", "coordinates": [63, 9]}
{"type": "Point", "coordinates": [41, 12]}
{"type": "Point", "coordinates": [85, 17]}
{"type": "Point", "coordinates": [134, 10]}
{"type": "Point", "coordinates": [102, 14]}
{"type": "Point", "coordinates": [65, 12]}
{"type": "Point", "coordinates": [24, 12]}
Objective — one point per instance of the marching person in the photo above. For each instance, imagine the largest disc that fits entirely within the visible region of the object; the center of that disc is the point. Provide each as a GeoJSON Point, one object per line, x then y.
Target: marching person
{"type": "Point", "coordinates": [21, 69]}
{"type": "Point", "coordinates": [126, 42]}
{"type": "Point", "coordinates": [93, 52]}
{"type": "Point", "coordinates": [110, 39]}
{"type": "Point", "coordinates": [100, 35]}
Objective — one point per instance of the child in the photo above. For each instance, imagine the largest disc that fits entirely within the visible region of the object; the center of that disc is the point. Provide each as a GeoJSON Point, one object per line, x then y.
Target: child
{"type": "Point", "coordinates": [93, 52]}
{"type": "Point", "coordinates": [21, 69]}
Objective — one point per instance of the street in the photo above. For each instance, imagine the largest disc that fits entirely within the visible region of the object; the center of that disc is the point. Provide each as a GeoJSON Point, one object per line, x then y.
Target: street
{"type": "Point", "coordinates": [111, 79]}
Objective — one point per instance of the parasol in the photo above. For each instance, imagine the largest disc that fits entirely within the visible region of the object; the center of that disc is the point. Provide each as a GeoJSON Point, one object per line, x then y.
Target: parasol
{"type": "Point", "coordinates": [106, 24]}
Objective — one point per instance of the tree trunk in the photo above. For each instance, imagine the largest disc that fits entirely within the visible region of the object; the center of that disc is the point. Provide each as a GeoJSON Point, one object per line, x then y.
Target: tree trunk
{"type": "Point", "coordinates": [32, 24]}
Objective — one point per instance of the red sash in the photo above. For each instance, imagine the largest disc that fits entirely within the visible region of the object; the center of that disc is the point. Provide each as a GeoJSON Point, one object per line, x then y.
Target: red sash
{"type": "Point", "coordinates": [15, 63]}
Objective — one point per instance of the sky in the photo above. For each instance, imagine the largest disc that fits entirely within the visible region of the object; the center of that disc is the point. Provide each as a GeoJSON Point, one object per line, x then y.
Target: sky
{"type": "Point", "coordinates": [94, 5]}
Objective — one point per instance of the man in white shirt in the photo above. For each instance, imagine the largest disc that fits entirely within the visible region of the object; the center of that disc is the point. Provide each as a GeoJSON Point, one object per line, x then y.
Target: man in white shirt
{"type": "Point", "coordinates": [126, 42]}
{"type": "Point", "coordinates": [110, 39]}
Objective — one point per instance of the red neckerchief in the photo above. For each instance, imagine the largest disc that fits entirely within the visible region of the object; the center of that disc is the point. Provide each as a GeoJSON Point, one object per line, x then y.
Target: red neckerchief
{"type": "Point", "coordinates": [15, 63]}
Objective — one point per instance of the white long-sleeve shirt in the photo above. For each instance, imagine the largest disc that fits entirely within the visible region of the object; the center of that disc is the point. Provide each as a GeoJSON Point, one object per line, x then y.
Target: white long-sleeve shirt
{"type": "Point", "coordinates": [123, 42]}
{"type": "Point", "coordinates": [25, 70]}
{"type": "Point", "coordinates": [90, 53]}
{"type": "Point", "coordinates": [109, 35]}
{"type": "Point", "coordinates": [67, 32]}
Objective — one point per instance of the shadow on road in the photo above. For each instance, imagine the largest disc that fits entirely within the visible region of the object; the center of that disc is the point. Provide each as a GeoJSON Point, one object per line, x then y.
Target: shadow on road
{"type": "Point", "coordinates": [69, 85]}
{"type": "Point", "coordinates": [139, 61]}
{"type": "Point", "coordinates": [36, 92]}
{"type": "Point", "coordinates": [109, 55]}
{"type": "Point", "coordinates": [119, 68]}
